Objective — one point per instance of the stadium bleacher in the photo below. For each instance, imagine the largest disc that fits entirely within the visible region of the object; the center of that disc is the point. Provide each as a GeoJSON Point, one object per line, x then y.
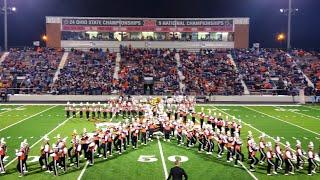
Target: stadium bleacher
{"type": "Point", "coordinates": [205, 72]}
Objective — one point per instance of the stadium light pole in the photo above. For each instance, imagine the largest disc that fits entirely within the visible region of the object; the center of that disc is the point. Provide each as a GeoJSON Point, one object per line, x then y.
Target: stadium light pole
{"type": "Point", "coordinates": [6, 10]}
{"type": "Point", "coordinates": [289, 12]}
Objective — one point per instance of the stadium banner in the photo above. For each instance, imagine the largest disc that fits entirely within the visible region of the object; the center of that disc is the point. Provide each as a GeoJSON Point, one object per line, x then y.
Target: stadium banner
{"type": "Point", "coordinates": [146, 25]}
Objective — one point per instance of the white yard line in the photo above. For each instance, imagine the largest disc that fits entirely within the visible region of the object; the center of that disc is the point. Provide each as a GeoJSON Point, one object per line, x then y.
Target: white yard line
{"type": "Point", "coordinates": [27, 118]}
{"type": "Point", "coordinates": [306, 115]}
{"type": "Point", "coordinates": [249, 172]}
{"type": "Point", "coordinates": [61, 124]}
{"type": "Point", "coordinates": [83, 170]}
{"type": "Point", "coordinates": [162, 159]}
{"type": "Point", "coordinates": [253, 128]}
{"type": "Point", "coordinates": [282, 120]}
{"type": "Point", "coordinates": [312, 107]}
{"type": "Point", "coordinates": [11, 109]}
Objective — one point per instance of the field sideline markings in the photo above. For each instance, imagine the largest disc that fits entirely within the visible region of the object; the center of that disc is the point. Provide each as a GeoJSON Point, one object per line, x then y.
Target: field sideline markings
{"type": "Point", "coordinates": [41, 138]}
{"type": "Point", "coordinates": [281, 120]}
{"type": "Point", "coordinates": [83, 170]}
{"type": "Point", "coordinates": [162, 159]}
{"type": "Point", "coordinates": [249, 125]}
{"type": "Point", "coordinates": [27, 118]}
{"type": "Point", "coordinates": [11, 109]}
{"type": "Point", "coordinates": [312, 107]}
{"type": "Point", "coordinates": [305, 114]}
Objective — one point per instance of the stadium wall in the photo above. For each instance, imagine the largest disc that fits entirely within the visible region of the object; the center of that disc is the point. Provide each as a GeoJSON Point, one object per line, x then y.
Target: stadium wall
{"type": "Point", "coordinates": [223, 99]}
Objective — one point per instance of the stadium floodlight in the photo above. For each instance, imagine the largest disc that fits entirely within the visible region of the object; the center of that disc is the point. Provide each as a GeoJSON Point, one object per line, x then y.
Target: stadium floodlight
{"type": "Point", "coordinates": [6, 10]}
{"type": "Point", "coordinates": [289, 12]}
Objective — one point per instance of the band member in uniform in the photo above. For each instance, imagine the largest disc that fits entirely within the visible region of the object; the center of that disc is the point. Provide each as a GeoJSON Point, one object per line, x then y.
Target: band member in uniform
{"type": "Point", "coordinates": [167, 130]}
{"type": "Point", "coordinates": [26, 154]}
{"type": "Point", "coordinates": [270, 162]}
{"type": "Point", "coordinates": [67, 109]}
{"type": "Point", "coordinates": [288, 160]}
{"type": "Point", "coordinates": [237, 147]}
{"type": "Point", "coordinates": [3, 150]}
{"type": "Point", "coordinates": [279, 160]}
{"type": "Point", "coordinates": [202, 141]}
{"type": "Point", "coordinates": [74, 110]}
{"type": "Point", "coordinates": [312, 165]}
{"type": "Point", "coordinates": [262, 144]}
{"type": "Point", "coordinates": [109, 143]}
{"type": "Point", "coordinates": [82, 109]}
{"type": "Point", "coordinates": [20, 156]}
{"type": "Point", "coordinates": [87, 111]}
{"type": "Point", "coordinates": [134, 137]}
{"type": "Point", "coordinates": [230, 145]}
{"type": "Point", "coordinates": [91, 150]}
{"type": "Point", "coordinates": [46, 146]}
{"type": "Point", "coordinates": [143, 135]}
{"type": "Point", "coordinates": [179, 134]}
{"type": "Point", "coordinates": [85, 143]}
{"type": "Point", "coordinates": [202, 115]}
{"type": "Point", "coordinates": [53, 165]}
{"type": "Point", "coordinates": [105, 111]}
{"type": "Point", "coordinates": [254, 160]}
{"type": "Point", "coordinates": [99, 109]}
{"type": "Point", "coordinates": [76, 151]}
{"type": "Point", "coordinates": [63, 151]}
{"type": "Point", "coordinates": [93, 111]}
{"type": "Point", "coordinates": [299, 154]}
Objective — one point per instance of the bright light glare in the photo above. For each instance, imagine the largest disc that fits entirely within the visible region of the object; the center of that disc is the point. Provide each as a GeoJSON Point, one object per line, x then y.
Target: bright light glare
{"type": "Point", "coordinates": [281, 37]}
{"type": "Point", "coordinates": [281, 10]}
{"type": "Point", "coordinates": [14, 9]}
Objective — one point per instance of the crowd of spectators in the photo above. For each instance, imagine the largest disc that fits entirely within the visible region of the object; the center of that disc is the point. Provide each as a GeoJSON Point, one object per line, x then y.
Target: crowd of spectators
{"type": "Point", "coordinates": [137, 64]}
{"type": "Point", "coordinates": [86, 73]}
{"type": "Point", "coordinates": [28, 70]}
{"type": "Point", "coordinates": [270, 69]}
{"type": "Point", "coordinates": [209, 72]}
{"type": "Point", "coordinates": [310, 64]}
{"type": "Point", "coordinates": [206, 72]}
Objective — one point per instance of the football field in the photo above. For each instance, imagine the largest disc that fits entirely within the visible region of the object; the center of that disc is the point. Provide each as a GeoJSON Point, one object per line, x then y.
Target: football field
{"type": "Point", "coordinates": [154, 160]}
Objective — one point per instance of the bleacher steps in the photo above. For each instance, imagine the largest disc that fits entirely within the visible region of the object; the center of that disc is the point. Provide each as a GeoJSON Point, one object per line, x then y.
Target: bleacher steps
{"type": "Point", "coordinates": [117, 68]}
{"type": "Point", "coordinates": [61, 65]}
{"type": "Point", "coordinates": [3, 57]}
{"type": "Point", "coordinates": [180, 75]}
{"type": "Point", "coordinates": [246, 90]}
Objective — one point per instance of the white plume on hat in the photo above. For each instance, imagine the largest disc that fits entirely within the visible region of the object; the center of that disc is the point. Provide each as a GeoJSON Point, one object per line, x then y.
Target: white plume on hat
{"type": "Point", "coordinates": [287, 144]}
{"type": "Point", "coordinates": [84, 130]}
{"type": "Point", "coordinates": [46, 138]}
{"type": "Point", "coordinates": [277, 139]}
{"type": "Point", "coordinates": [58, 136]}
{"type": "Point", "coordinates": [310, 144]}
{"type": "Point", "coordinates": [68, 103]}
{"type": "Point", "coordinates": [269, 144]}
{"type": "Point", "coordinates": [25, 141]}
{"type": "Point", "coordinates": [249, 134]}
{"type": "Point", "coordinates": [227, 117]}
{"type": "Point", "coordinates": [81, 104]}
{"type": "Point", "coordinates": [263, 135]}
{"type": "Point", "coordinates": [65, 139]}
{"type": "Point", "coordinates": [298, 143]}
{"type": "Point", "coordinates": [2, 141]}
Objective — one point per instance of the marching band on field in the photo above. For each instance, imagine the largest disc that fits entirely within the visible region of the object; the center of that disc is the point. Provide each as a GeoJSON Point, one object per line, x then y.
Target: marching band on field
{"type": "Point", "coordinates": [161, 117]}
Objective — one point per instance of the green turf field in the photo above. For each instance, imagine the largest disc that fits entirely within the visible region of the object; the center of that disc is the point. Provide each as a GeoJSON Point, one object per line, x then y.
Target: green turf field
{"type": "Point", "coordinates": [151, 162]}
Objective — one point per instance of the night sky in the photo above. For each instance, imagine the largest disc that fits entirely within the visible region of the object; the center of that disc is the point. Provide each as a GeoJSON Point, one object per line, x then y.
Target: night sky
{"type": "Point", "coordinates": [266, 21]}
